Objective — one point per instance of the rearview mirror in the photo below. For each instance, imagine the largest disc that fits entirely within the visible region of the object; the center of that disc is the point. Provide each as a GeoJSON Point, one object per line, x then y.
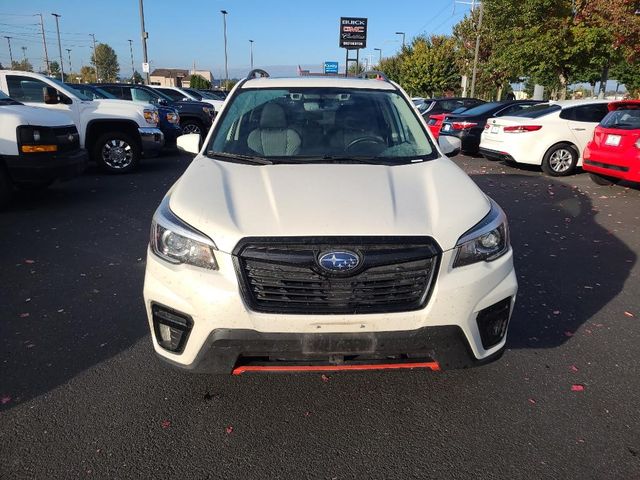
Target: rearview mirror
{"type": "Point", "coordinates": [50, 95]}
{"type": "Point", "coordinates": [449, 145]}
{"type": "Point", "coordinates": [189, 143]}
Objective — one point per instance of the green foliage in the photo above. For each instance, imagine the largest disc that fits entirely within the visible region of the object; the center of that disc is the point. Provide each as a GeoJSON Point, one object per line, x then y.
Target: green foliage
{"type": "Point", "coordinates": [199, 82]}
{"type": "Point", "coordinates": [428, 66]}
{"type": "Point", "coordinates": [137, 78]}
{"type": "Point", "coordinates": [355, 68]}
{"type": "Point", "coordinates": [22, 65]}
{"type": "Point", "coordinates": [87, 74]}
{"type": "Point", "coordinates": [54, 68]}
{"type": "Point", "coordinates": [106, 60]}
{"type": "Point", "coordinates": [392, 68]}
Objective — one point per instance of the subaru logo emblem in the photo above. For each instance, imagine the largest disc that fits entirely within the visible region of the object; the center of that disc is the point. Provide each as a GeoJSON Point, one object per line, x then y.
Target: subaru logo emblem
{"type": "Point", "coordinates": [339, 261]}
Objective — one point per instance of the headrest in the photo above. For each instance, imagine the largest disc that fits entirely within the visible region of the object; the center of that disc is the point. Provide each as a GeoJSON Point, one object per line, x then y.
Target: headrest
{"type": "Point", "coordinates": [273, 116]}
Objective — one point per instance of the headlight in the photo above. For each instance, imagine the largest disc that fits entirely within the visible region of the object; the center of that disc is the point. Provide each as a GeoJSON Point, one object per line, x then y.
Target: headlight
{"type": "Point", "coordinates": [173, 117]}
{"type": "Point", "coordinates": [209, 111]}
{"type": "Point", "coordinates": [485, 242]}
{"type": "Point", "coordinates": [176, 242]}
{"type": "Point", "coordinates": [151, 116]}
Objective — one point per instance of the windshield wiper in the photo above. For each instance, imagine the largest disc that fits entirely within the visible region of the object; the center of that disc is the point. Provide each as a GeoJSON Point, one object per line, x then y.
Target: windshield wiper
{"type": "Point", "coordinates": [242, 158]}
{"type": "Point", "coordinates": [9, 101]}
{"type": "Point", "coordinates": [338, 159]}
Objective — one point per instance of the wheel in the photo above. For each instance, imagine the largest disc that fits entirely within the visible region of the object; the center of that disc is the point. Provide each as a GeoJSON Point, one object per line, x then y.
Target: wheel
{"type": "Point", "coordinates": [6, 186]}
{"type": "Point", "coordinates": [560, 160]}
{"type": "Point", "coordinates": [603, 180]}
{"type": "Point", "coordinates": [116, 152]}
{"type": "Point", "coordinates": [192, 126]}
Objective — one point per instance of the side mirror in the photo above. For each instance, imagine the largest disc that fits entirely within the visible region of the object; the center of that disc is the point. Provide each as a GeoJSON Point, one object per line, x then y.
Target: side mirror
{"type": "Point", "coordinates": [189, 143]}
{"type": "Point", "coordinates": [186, 99]}
{"type": "Point", "coordinates": [162, 101]}
{"type": "Point", "coordinates": [50, 95]}
{"type": "Point", "coordinates": [450, 146]}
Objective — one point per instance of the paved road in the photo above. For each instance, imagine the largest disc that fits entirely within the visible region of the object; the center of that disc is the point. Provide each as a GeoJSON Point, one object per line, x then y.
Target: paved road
{"type": "Point", "coordinates": [82, 395]}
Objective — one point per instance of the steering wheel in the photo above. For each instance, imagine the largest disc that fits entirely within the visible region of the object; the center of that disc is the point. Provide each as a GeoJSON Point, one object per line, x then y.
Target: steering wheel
{"type": "Point", "coordinates": [368, 140]}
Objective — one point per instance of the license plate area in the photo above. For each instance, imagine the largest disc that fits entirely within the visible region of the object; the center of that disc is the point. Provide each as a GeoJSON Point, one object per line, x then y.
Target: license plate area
{"type": "Point", "coordinates": [330, 344]}
{"type": "Point", "coordinates": [612, 140]}
{"type": "Point", "coordinates": [446, 127]}
{"type": "Point", "coordinates": [495, 129]}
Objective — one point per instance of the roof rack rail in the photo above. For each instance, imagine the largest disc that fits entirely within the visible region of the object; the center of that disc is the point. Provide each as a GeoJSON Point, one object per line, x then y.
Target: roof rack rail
{"type": "Point", "coordinates": [257, 72]}
{"type": "Point", "coordinates": [377, 73]}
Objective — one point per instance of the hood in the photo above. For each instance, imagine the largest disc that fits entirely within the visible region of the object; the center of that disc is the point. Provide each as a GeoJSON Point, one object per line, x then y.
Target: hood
{"type": "Point", "coordinates": [43, 117]}
{"type": "Point", "coordinates": [116, 102]}
{"type": "Point", "coordinates": [190, 103]}
{"type": "Point", "coordinates": [229, 201]}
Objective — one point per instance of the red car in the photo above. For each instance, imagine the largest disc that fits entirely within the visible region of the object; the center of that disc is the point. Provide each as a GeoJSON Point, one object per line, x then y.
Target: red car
{"type": "Point", "coordinates": [435, 122]}
{"type": "Point", "coordinates": [614, 152]}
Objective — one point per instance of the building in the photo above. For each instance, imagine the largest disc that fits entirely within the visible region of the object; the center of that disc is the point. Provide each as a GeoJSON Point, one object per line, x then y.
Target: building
{"type": "Point", "coordinates": [176, 77]}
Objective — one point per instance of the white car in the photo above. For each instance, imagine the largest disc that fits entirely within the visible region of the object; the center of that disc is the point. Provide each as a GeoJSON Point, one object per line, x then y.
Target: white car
{"type": "Point", "coordinates": [320, 228]}
{"type": "Point", "coordinates": [552, 135]}
{"type": "Point", "coordinates": [179, 94]}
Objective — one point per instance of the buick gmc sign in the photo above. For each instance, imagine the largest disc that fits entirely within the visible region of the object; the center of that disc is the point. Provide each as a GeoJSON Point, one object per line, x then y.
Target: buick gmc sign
{"type": "Point", "coordinates": [353, 33]}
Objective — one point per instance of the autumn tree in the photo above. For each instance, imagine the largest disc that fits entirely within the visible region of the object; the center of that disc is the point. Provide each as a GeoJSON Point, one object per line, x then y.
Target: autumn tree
{"type": "Point", "coordinates": [87, 74]}
{"type": "Point", "coordinates": [106, 61]}
{"type": "Point", "coordinates": [22, 65]}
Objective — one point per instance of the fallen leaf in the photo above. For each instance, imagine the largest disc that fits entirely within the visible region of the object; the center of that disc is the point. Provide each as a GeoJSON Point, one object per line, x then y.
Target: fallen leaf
{"type": "Point", "coordinates": [5, 399]}
{"type": "Point", "coordinates": [24, 315]}
{"type": "Point", "coordinates": [577, 388]}
{"type": "Point", "coordinates": [532, 401]}
{"type": "Point", "coordinates": [324, 378]}
{"type": "Point", "coordinates": [568, 334]}
{"type": "Point", "coordinates": [573, 368]}
{"type": "Point", "coordinates": [629, 314]}
{"type": "Point", "coordinates": [165, 424]}
{"type": "Point", "coordinates": [556, 312]}
{"type": "Point", "coordinates": [29, 261]}
{"type": "Point", "coordinates": [229, 429]}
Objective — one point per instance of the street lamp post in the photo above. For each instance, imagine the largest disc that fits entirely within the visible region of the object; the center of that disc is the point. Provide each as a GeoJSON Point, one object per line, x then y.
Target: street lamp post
{"type": "Point", "coordinates": [379, 50]}
{"type": "Point", "coordinates": [69, 53]}
{"type": "Point", "coordinates": [133, 69]}
{"type": "Point", "coordinates": [401, 33]}
{"type": "Point", "coordinates": [59, 46]}
{"type": "Point", "coordinates": [145, 35]}
{"type": "Point", "coordinates": [24, 54]}
{"type": "Point", "coordinates": [10, 52]}
{"type": "Point", "coordinates": [95, 57]}
{"type": "Point", "coordinates": [226, 67]}
{"type": "Point", "coordinates": [251, 52]}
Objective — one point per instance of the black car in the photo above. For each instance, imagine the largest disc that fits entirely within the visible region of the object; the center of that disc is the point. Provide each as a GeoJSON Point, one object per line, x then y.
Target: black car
{"type": "Point", "coordinates": [468, 126]}
{"type": "Point", "coordinates": [195, 117]}
{"type": "Point", "coordinates": [168, 121]}
{"type": "Point", "coordinates": [434, 106]}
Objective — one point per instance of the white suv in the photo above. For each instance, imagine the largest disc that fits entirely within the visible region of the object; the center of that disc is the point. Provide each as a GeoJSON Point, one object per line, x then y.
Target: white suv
{"type": "Point", "coordinates": [321, 228]}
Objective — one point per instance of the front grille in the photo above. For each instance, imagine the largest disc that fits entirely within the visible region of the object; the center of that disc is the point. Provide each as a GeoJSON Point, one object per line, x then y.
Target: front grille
{"type": "Point", "coordinates": [283, 275]}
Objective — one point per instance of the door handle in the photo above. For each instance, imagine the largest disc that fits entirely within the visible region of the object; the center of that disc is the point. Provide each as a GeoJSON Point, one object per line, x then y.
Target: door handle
{"type": "Point", "coordinates": [578, 129]}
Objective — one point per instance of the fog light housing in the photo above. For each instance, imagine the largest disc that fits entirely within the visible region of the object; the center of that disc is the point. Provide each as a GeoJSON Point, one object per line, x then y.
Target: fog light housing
{"type": "Point", "coordinates": [492, 322]}
{"type": "Point", "coordinates": [171, 328]}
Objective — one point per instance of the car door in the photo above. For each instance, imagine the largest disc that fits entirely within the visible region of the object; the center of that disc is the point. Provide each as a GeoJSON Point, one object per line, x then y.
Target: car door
{"type": "Point", "coordinates": [582, 121]}
{"type": "Point", "coordinates": [30, 91]}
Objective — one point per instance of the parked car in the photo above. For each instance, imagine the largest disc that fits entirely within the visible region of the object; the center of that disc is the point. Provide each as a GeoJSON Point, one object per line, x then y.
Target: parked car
{"type": "Point", "coordinates": [215, 94]}
{"type": "Point", "coordinates": [37, 147]}
{"type": "Point", "coordinates": [186, 94]}
{"type": "Point", "coordinates": [445, 105]}
{"type": "Point", "coordinates": [468, 125]}
{"type": "Point", "coordinates": [435, 121]}
{"type": "Point", "coordinates": [116, 134]}
{"type": "Point", "coordinates": [551, 135]}
{"type": "Point", "coordinates": [310, 232]}
{"type": "Point", "coordinates": [195, 117]}
{"type": "Point", "coordinates": [613, 154]}
{"type": "Point", "coordinates": [169, 119]}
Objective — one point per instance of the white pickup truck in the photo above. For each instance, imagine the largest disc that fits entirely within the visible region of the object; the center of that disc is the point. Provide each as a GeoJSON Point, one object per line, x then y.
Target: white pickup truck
{"type": "Point", "coordinates": [115, 133]}
{"type": "Point", "coordinates": [37, 147]}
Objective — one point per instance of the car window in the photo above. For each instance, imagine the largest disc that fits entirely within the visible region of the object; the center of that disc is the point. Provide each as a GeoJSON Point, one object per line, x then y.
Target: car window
{"type": "Point", "coordinates": [513, 109]}
{"type": "Point", "coordinates": [114, 90]}
{"type": "Point", "coordinates": [471, 102]}
{"type": "Point", "coordinates": [623, 119]}
{"type": "Point", "coordinates": [173, 94]}
{"type": "Point", "coordinates": [449, 105]}
{"type": "Point", "coordinates": [483, 108]}
{"type": "Point", "coordinates": [141, 95]}
{"type": "Point", "coordinates": [592, 113]}
{"type": "Point", "coordinates": [301, 123]}
{"type": "Point", "coordinates": [537, 111]}
{"type": "Point", "coordinates": [195, 94]}
{"type": "Point", "coordinates": [26, 89]}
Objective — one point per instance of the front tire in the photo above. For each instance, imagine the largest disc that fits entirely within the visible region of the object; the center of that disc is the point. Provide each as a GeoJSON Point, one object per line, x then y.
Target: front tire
{"type": "Point", "coordinates": [603, 180]}
{"type": "Point", "coordinates": [560, 160]}
{"type": "Point", "coordinates": [192, 126]}
{"type": "Point", "coordinates": [116, 152]}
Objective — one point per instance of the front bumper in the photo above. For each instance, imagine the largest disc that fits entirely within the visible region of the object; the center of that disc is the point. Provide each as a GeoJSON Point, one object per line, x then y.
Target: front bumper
{"type": "Point", "coordinates": [612, 164]}
{"type": "Point", "coordinates": [151, 140]}
{"type": "Point", "coordinates": [495, 155]}
{"type": "Point", "coordinates": [223, 329]}
{"type": "Point", "coordinates": [44, 167]}
{"type": "Point", "coordinates": [171, 134]}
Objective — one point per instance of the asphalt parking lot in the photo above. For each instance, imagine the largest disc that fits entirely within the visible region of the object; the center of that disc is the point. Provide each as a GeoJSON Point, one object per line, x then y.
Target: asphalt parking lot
{"type": "Point", "coordinates": [82, 394]}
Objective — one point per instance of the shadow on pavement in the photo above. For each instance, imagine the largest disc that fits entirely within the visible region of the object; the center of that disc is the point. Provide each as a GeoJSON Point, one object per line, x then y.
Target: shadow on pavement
{"type": "Point", "coordinates": [569, 267]}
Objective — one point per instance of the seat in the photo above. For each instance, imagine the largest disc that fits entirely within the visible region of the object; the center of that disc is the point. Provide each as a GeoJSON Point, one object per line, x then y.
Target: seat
{"type": "Point", "coordinates": [273, 137]}
{"type": "Point", "coordinates": [352, 122]}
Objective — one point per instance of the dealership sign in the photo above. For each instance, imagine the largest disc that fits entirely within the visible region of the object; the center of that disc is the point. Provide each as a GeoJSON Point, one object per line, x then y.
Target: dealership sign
{"type": "Point", "coordinates": [330, 67]}
{"type": "Point", "coordinates": [353, 33]}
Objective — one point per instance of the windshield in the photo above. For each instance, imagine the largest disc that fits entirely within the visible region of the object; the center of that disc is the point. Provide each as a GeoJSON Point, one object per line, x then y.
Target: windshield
{"type": "Point", "coordinates": [158, 94]}
{"type": "Point", "coordinates": [64, 87]}
{"type": "Point", "coordinates": [91, 92]}
{"type": "Point", "coordinates": [537, 111]}
{"type": "Point", "coordinates": [193, 93]}
{"type": "Point", "coordinates": [626, 119]}
{"type": "Point", "coordinates": [315, 124]}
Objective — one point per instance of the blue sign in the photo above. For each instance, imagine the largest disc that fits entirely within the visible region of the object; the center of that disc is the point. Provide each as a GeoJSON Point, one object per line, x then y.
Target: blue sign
{"type": "Point", "coordinates": [330, 67]}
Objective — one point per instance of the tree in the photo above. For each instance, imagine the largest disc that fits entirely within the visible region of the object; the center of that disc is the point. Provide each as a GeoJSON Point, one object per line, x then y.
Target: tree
{"type": "Point", "coordinates": [87, 74]}
{"type": "Point", "coordinates": [23, 65]}
{"type": "Point", "coordinates": [137, 78]}
{"type": "Point", "coordinates": [106, 60]}
{"type": "Point", "coordinates": [54, 69]}
{"type": "Point", "coordinates": [392, 67]}
{"type": "Point", "coordinates": [356, 68]}
{"type": "Point", "coordinates": [428, 66]}
{"type": "Point", "coordinates": [199, 82]}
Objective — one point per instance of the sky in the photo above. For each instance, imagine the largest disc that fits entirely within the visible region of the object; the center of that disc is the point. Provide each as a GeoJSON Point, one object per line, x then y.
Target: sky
{"type": "Point", "coordinates": [285, 33]}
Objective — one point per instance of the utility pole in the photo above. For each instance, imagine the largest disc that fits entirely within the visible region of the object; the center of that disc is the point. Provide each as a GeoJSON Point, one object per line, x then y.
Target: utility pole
{"type": "Point", "coordinates": [133, 69]}
{"type": "Point", "coordinates": [10, 53]}
{"type": "Point", "coordinates": [251, 52]}
{"type": "Point", "coordinates": [145, 35]}
{"type": "Point", "coordinates": [95, 57]}
{"type": "Point", "coordinates": [475, 57]}
{"type": "Point", "coordinates": [226, 68]}
{"type": "Point", "coordinates": [69, 53]}
{"type": "Point", "coordinates": [59, 46]}
{"type": "Point", "coordinates": [379, 50]}
{"type": "Point", "coordinates": [401, 33]}
{"type": "Point", "coordinates": [24, 53]}
{"type": "Point", "coordinates": [44, 44]}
